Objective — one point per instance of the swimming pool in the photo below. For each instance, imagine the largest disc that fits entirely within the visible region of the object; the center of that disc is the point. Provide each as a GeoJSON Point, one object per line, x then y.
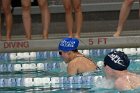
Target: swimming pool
{"type": "Point", "coordinates": [45, 72]}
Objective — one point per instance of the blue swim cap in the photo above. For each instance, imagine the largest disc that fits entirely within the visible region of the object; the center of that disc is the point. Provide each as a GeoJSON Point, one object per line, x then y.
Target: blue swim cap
{"type": "Point", "coordinates": [68, 44]}
{"type": "Point", "coordinates": [117, 60]}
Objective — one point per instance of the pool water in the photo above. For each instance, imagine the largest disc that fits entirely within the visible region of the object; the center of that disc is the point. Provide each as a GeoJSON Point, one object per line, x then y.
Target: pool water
{"type": "Point", "coordinates": [42, 72]}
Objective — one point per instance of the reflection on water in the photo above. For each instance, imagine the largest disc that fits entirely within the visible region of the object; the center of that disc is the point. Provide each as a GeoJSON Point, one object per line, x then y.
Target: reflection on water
{"type": "Point", "coordinates": [43, 90]}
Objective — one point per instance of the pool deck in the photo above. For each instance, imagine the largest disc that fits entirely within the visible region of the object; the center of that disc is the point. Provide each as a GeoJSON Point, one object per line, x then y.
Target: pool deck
{"type": "Point", "coordinates": [97, 32]}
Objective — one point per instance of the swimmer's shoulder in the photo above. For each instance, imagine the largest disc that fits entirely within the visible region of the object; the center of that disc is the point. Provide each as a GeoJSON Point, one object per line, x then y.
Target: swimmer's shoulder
{"type": "Point", "coordinates": [77, 59]}
{"type": "Point", "coordinates": [122, 83]}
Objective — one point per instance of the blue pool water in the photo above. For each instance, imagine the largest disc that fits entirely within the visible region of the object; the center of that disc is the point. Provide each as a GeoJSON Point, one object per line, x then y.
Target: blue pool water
{"type": "Point", "coordinates": [45, 71]}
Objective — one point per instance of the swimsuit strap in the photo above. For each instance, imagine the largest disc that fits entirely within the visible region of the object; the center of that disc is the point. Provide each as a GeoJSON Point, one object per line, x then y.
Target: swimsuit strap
{"type": "Point", "coordinates": [93, 62]}
{"type": "Point", "coordinates": [81, 74]}
{"type": "Point", "coordinates": [79, 55]}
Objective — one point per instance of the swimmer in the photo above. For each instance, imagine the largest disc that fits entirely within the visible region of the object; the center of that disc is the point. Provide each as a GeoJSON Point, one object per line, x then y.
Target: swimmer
{"type": "Point", "coordinates": [115, 67]}
{"type": "Point", "coordinates": [77, 63]}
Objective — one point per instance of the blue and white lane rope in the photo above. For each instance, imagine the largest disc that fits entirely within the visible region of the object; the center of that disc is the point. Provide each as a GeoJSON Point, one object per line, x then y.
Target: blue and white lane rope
{"type": "Point", "coordinates": [51, 82]}
{"type": "Point", "coordinates": [31, 67]}
{"type": "Point", "coordinates": [52, 66]}
{"type": "Point", "coordinates": [55, 54]}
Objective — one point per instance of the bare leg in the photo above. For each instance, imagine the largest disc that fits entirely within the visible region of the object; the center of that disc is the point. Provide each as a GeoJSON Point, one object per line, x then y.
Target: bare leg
{"type": "Point", "coordinates": [78, 17]}
{"type": "Point", "coordinates": [0, 21]}
{"type": "Point", "coordinates": [125, 10]}
{"type": "Point", "coordinates": [26, 17]}
{"type": "Point", "coordinates": [43, 4]}
{"type": "Point", "coordinates": [68, 16]}
{"type": "Point", "coordinates": [139, 8]}
{"type": "Point", "coordinates": [8, 17]}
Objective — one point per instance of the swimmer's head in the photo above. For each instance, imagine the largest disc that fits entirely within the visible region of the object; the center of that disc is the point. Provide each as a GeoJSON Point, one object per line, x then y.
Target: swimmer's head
{"type": "Point", "coordinates": [68, 44]}
{"type": "Point", "coordinates": [117, 60]}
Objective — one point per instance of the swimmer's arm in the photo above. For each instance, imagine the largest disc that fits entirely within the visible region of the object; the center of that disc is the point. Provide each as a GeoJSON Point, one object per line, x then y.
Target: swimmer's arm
{"type": "Point", "coordinates": [72, 69]}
